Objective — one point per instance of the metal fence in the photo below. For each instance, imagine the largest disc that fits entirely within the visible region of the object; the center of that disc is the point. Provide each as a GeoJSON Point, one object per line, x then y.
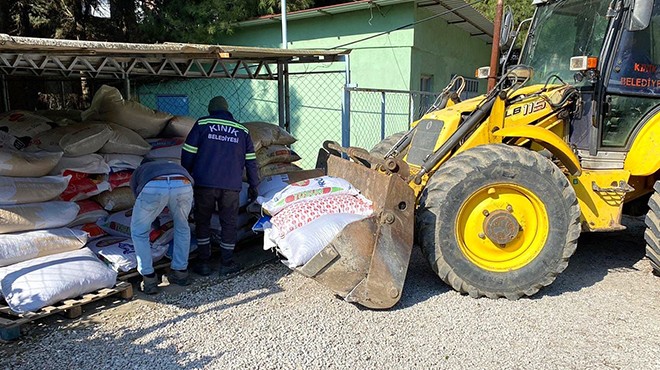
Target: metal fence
{"type": "Point", "coordinates": [315, 101]}
{"type": "Point", "coordinates": [376, 114]}
{"type": "Point", "coordinates": [321, 107]}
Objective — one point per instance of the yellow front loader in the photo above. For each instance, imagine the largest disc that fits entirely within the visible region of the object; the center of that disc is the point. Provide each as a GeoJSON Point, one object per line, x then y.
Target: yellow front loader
{"type": "Point", "coordinates": [496, 189]}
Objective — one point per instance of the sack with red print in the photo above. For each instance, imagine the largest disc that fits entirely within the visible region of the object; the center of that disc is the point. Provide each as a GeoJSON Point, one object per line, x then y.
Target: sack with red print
{"type": "Point", "coordinates": [119, 224]}
{"type": "Point", "coordinates": [89, 212]}
{"type": "Point", "coordinates": [120, 179]}
{"type": "Point", "coordinates": [93, 230]}
{"type": "Point", "coordinates": [308, 189]}
{"type": "Point", "coordinates": [306, 211]}
{"type": "Point", "coordinates": [84, 186]}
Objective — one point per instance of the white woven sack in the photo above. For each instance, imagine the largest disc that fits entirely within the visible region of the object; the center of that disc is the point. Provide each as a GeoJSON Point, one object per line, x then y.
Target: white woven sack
{"type": "Point", "coordinates": [90, 163]}
{"type": "Point", "coordinates": [308, 189]}
{"type": "Point", "coordinates": [299, 246]}
{"type": "Point", "coordinates": [22, 190]}
{"type": "Point", "coordinates": [32, 285]}
{"type": "Point", "coordinates": [21, 164]}
{"type": "Point", "coordinates": [121, 162]}
{"type": "Point", "coordinates": [35, 216]}
{"type": "Point", "coordinates": [120, 252]}
{"type": "Point", "coordinates": [18, 247]}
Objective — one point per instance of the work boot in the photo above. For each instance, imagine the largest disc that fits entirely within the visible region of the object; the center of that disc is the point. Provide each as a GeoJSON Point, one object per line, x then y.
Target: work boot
{"type": "Point", "coordinates": [149, 284]}
{"type": "Point", "coordinates": [231, 269]}
{"type": "Point", "coordinates": [178, 277]}
{"type": "Point", "coordinates": [202, 268]}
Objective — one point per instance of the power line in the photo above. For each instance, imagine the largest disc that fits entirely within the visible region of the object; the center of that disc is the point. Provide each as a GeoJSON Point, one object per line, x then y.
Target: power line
{"type": "Point", "coordinates": [410, 24]}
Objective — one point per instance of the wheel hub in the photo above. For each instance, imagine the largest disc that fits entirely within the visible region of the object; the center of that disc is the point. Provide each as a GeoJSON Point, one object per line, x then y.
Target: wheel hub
{"type": "Point", "coordinates": [501, 227]}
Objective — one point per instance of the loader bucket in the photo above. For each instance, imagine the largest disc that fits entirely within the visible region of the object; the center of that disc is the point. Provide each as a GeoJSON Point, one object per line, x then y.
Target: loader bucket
{"type": "Point", "coordinates": [367, 262]}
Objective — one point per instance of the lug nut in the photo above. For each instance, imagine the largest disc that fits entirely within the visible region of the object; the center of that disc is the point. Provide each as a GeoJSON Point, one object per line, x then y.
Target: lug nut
{"type": "Point", "coordinates": [485, 212]}
{"type": "Point", "coordinates": [482, 235]}
{"type": "Point", "coordinates": [509, 208]}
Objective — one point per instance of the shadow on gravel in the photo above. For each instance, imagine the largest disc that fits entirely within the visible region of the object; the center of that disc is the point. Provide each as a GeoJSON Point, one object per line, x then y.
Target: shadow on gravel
{"type": "Point", "coordinates": [421, 282]}
{"type": "Point", "coordinates": [597, 255]}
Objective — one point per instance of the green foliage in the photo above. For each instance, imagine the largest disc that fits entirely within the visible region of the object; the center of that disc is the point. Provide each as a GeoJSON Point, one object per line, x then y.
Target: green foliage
{"type": "Point", "coordinates": [199, 21]}
{"type": "Point", "coordinates": [522, 9]}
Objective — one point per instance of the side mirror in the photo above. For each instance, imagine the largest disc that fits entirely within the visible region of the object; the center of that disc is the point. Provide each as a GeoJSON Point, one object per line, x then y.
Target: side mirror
{"type": "Point", "coordinates": [506, 30]}
{"type": "Point", "coordinates": [641, 15]}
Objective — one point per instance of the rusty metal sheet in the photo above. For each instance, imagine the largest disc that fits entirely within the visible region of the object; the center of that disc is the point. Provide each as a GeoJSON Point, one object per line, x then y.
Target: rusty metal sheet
{"type": "Point", "coordinates": [367, 262]}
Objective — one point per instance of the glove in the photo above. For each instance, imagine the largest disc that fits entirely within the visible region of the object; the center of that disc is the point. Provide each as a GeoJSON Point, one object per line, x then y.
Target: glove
{"type": "Point", "coordinates": [252, 193]}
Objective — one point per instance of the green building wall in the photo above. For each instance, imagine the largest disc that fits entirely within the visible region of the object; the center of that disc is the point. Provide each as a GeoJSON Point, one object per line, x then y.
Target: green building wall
{"type": "Point", "coordinates": [393, 61]}
{"type": "Point", "coordinates": [441, 56]}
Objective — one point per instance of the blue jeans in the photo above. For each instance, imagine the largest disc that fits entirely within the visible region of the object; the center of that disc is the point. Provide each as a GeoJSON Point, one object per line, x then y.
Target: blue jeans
{"type": "Point", "coordinates": [177, 195]}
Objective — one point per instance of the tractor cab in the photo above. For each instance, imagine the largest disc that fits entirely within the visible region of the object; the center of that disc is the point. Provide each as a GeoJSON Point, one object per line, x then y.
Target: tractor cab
{"type": "Point", "coordinates": [610, 51]}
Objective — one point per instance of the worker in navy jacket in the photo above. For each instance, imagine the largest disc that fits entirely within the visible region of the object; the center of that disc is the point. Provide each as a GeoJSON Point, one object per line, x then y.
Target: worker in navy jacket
{"type": "Point", "coordinates": [215, 153]}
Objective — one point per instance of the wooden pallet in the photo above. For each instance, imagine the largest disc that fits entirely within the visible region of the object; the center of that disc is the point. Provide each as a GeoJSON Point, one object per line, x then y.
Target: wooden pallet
{"type": "Point", "coordinates": [10, 321]}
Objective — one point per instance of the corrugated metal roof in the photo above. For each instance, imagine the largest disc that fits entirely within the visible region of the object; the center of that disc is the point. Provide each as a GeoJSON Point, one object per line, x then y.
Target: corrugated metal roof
{"type": "Point", "coordinates": [67, 58]}
{"type": "Point", "coordinates": [459, 13]}
{"type": "Point", "coordinates": [58, 46]}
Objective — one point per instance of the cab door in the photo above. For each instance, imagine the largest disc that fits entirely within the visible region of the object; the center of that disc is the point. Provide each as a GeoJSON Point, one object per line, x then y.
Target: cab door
{"type": "Point", "coordinates": [632, 93]}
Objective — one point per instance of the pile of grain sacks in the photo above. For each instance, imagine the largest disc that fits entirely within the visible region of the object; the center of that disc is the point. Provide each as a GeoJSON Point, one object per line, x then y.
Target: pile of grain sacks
{"type": "Point", "coordinates": [305, 216]}
{"type": "Point", "coordinates": [65, 204]}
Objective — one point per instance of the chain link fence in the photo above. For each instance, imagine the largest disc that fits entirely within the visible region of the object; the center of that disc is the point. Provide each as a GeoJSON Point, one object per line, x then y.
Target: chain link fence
{"type": "Point", "coordinates": [377, 114]}
{"type": "Point", "coordinates": [316, 102]}
{"type": "Point", "coordinates": [314, 98]}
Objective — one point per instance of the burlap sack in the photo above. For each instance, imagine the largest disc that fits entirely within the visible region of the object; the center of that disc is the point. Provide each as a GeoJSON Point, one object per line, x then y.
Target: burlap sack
{"type": "Point", "coordinates": [116, 200]}
{"type": "Point", "coordinates": [276, 154]}
{"type": "Point", "coordinates": [277, 168]}
{"type": "Point", "coordinates": [179, 126]}
{"type": "Point", "coordinates": [109, 105]}
{"type": "Point", "coordinates": [125, 141]}
{"type": "Point", "coordinates": [21, 164]}
{"type": "Point", "coordinates": [90, 163]}
{"type": "Point", "coordinates": [73, 140]}
{"type": "Point", "coordinates": [265, 134]}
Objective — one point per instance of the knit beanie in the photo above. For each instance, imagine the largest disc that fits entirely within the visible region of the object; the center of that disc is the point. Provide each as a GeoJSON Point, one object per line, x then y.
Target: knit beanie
{"type": "Point", "coordinates": [217, 104]}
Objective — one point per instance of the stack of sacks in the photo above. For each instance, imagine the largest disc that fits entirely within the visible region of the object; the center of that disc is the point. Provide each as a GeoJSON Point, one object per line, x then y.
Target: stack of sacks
{"type": "Point", "coordinates": [17, 128]}
{"type": "Point", "coordinates": [270, 144]}
{"type": "Point", "coordinates": [307, 215]}
{"type": "Point", "coordinates": [41, 261]}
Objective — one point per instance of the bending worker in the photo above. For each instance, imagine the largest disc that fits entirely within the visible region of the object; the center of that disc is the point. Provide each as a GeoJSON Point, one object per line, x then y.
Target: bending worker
{"type": "Point", "coordinates": [216, 151]}
{"type": "Point", "coordinates": [157, 184]}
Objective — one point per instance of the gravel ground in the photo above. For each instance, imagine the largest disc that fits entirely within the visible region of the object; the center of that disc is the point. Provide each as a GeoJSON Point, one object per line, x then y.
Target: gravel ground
{"type": "Point", "coordinates": [602, 312]}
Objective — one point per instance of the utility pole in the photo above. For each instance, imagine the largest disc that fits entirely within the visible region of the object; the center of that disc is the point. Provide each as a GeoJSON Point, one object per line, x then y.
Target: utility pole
{"type": "Point", "coordinates": [495, 51]}
{"type": "Point", "coordinates": [285, 43]}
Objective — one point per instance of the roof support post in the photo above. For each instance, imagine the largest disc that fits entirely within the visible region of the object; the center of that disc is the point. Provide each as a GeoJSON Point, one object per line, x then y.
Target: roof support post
{"type": "Point", "coordinates": [346, 106]}
{"type": "Point", "coordinates": [5, 93]}
{"type": "Point", "coordinates": [283, 103]}
{"type": "Point", "coordinates": [127, 87]}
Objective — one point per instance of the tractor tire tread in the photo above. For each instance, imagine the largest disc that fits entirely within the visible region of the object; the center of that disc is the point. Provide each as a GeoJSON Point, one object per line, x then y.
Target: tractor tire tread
{"type": "Point", "coordinates": [456, 170]}
{"type": "Point", "coordinates": [652, 233]}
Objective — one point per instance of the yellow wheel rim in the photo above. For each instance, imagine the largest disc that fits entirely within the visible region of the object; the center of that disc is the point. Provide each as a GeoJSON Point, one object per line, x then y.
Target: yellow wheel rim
{"type": "Point", "coordinates": [491, 210]}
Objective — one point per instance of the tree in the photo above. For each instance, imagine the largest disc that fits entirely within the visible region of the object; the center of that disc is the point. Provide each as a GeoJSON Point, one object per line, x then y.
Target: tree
{"type": "Point", "coordinates": [522, 9]}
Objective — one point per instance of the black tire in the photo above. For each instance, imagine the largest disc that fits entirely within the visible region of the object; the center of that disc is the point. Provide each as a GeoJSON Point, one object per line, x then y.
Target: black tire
{"type": "Point", "coordinates": [472, 171]}
{"type": "Point", "coordinates": [652, 233]}
{"type": "Point", "coordinates": [380, 149]}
